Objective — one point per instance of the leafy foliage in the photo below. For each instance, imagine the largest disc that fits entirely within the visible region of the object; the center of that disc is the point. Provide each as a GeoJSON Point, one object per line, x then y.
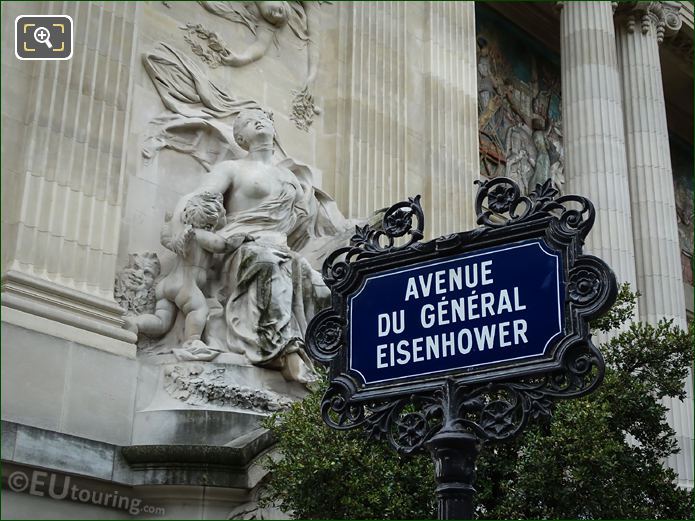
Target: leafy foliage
{"type": "Point", "coordinates": [329, 474]}
{"type": "Point", "coordinates": [600, 456]}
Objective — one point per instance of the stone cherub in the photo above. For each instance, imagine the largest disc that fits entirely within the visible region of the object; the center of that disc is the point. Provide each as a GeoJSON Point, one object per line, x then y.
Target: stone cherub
{"type": "Point", "coordinates": [182, 287]}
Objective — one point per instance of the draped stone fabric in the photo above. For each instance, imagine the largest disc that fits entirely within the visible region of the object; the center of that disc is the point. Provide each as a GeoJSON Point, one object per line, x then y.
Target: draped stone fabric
{"type": "Point", "coordinates": [185, 89]}
{"type": "Point", "coordinates": [271, 290]}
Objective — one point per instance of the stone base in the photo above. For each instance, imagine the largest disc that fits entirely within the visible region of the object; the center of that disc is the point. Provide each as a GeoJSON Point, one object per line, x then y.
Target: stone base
{"type": "Point", "coordinates": [205, 403]}
{"type": "Point", "coordinates": [64, 385]}
{"type": "Point", "coordinates": [159, 481]}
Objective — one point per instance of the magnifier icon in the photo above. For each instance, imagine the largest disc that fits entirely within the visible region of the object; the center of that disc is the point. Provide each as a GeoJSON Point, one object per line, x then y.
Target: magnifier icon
{"type": "Point", "coordinates": [42, 35]}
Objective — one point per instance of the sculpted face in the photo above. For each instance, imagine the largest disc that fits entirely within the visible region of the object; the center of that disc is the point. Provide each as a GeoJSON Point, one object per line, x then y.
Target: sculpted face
{"type": "Point", "coordinates": [274, 13]}
{"type": "Point", "coordinates": [253, 126]}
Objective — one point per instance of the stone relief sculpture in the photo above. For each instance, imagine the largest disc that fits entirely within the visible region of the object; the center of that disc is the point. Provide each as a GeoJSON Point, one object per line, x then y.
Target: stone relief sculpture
{"type": "Point", "coordinates": [134, 284]}
{"type": "Point", "coordinates": [265, 20]}
{"type": "Point", "coordinates": [245, 239]}
{"type": "Point", "coordinates": [181, 288]}
{"type": "Point", "coordinates": [210, 384]}
{"type": "Point", "coordinates": [518, 109]}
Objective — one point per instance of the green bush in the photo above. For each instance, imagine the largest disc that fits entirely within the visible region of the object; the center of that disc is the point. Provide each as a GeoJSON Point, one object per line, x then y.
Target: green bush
{"type": "Point", "coordinates": [600, 457]}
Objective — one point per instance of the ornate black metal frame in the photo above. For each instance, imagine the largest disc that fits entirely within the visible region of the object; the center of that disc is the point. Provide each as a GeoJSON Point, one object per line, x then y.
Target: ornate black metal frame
{"type": "Point", "coordinates": [491, 404]}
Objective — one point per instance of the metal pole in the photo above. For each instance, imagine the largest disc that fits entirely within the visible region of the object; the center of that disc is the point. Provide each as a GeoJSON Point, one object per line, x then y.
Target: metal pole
{"type": "Point", "coordinates": [454, 454]}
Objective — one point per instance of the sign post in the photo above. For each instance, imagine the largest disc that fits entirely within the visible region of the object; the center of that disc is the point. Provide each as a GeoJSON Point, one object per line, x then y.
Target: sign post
{"type": "Point", "coordinates": [445, 344]}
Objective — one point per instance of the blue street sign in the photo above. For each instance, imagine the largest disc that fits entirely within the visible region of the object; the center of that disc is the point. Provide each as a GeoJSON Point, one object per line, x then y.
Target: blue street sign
{"type": "Point", "coordinates": [468, 312]}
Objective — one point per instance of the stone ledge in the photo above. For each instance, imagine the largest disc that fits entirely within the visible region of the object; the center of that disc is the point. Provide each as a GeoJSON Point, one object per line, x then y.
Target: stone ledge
{"type": "Point", "coordinates": [233, 454]}
{"type": "Point", "coordinates": [235, 465]}
{"type": "Point", "coordinates": [58, 329]}
{"type": "Point", "coordinates": [68, 306]}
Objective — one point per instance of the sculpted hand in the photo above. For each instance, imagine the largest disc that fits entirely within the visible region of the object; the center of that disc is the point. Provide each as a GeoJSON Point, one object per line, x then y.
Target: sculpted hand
{"type": "Point", "coordinates": [236, 240]}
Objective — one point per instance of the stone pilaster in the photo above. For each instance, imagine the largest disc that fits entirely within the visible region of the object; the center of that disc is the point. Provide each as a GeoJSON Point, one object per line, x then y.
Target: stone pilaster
{"type": "Point", "coordinates": [640, 28]}
{"type": "Point", "coordinates": [407, 110]}
{"type": "Point", "coordinates": [593, 124]}
{"type": "Point", "coordinates": [68, 178]}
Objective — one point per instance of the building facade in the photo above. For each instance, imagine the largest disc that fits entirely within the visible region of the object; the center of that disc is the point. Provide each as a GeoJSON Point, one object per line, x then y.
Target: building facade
{"type": "Point", "coordinates": [370, 103]}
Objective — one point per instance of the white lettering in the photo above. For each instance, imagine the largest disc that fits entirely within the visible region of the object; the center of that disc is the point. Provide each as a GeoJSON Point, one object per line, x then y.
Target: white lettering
{"type": "Point", "coordinates": [455, 279]}
{"type": "Point", "coordinates": [439, 282]}
{"type": "Point", "coordinates": [504, 303]}
{"type": "Point", "coordinates": [448, 342]}
{"type": "Point", "coordinates": [411, 290]}
{"type": "Point", "coordinates": [384, 324]}
{"type": "Point", "coordinates": [485, 271]}
{"type": "Point", "coordinates": [404, 354]}
{"type": "Point", "coordinates": [484, 336]}
{"type": "Point", "coordinates": [469, 343]}
{"type": "Point", "coordinates": [417, 349]}
{"type": "Point", "coordinates": [487, 301]}
{"type": "Point", "coordinates": [473, 307]}
{"type": "Point", "coordinates": [427, 317]}
{"type": "Point", "coordinates": [432, 344]}
{"type": "Point", "coordinates": [472, 275]}
{"type": "Point", "coordinates": [503, 334]}
{"type": "Point", "coordinates": [520, 331]}
{"type": "Point", "coordinates": [458, 310]}
{"type": "Point", "coordinates": [517, 306]}
{"type": "Point", "coordinates": [380, 355]}
{"type": "Point", "coordinates": [442, 312]}
{"type": "Point", "coordinates": [425, 287]}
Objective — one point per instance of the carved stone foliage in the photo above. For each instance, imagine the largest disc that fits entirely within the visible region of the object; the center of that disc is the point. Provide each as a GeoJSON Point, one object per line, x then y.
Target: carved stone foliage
{"type": "Point", "coordinates": [519, 103]}
{"type": "Point", "coordinates": [211, 384]}
{"type": "Point", "coordinates": [134, 284]}
{"type": "Point", "coordinates": [204, 43]}
{"type": "Point", "coordinates": [488, 405]}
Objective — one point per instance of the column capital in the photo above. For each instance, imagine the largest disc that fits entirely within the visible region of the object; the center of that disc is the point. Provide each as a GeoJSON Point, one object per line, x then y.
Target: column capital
{"type": "Point", "coordinates": [660, 19]}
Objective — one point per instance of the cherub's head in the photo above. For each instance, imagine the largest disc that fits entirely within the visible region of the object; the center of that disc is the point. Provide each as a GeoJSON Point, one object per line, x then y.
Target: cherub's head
{"type": "Point", "coordinates": [253, 125]}
{"type": "Point", "coordinates": [205, 211]}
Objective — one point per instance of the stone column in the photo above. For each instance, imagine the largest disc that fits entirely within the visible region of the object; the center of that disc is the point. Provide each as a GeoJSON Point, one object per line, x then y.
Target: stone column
{"type": "Point", "coordinates": [593, 125]}
{"type": "Point", "coordinates": [655, 230]}
{"type": "Point", "coordinates": [407, 110]}
{"type": "Point", "coordinates": [67, 183]}
{"type": "Point", "coordinates": [451, 116]}
{"type": "Point", "coordinates": [640, 28]}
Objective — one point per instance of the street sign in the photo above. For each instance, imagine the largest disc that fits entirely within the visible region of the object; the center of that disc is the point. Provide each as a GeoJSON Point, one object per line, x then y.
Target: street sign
{"type": "Point", "coordinates": [452, 342]}
{"type": "Point", "coordinates": [473, 312]}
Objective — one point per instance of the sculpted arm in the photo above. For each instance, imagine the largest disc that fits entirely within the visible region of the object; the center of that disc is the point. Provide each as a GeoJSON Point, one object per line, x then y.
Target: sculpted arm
{"type": "Point", "coordinates": [253, 52]}
{"type": "Point", "coordinates": [215, 243]}
{"type": "Point", "coordinates": [210, 241]}
{"type": "Point", "coordinates": [219, 179]}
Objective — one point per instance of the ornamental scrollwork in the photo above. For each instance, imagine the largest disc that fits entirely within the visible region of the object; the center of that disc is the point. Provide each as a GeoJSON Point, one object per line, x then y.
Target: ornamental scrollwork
{"type": "Point", "coordinates": [494, 411]}
{"type": "Point", "coordinates": [500, 203]}
{"type": "Point", "coordinates": [404, 220]}
{"type": "Point", "coordinates": [488, 404]}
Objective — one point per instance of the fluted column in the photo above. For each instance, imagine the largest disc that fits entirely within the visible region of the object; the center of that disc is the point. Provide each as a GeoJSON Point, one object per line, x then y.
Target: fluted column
{"type": "Point", "coordinates": [407, 110]}
{"type": "Point", "coordinates": [640, 28]}
{"type": "Point", "coordinates": [59, 260]}
{"type": "Point", "coordinates": [593, 124]}
{"type": "Point", "coordinates": [451, 116]}
{"type": "Point", "coordinates": [655, 229]}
